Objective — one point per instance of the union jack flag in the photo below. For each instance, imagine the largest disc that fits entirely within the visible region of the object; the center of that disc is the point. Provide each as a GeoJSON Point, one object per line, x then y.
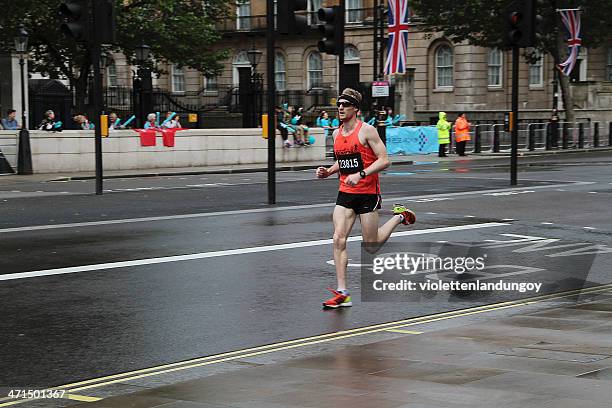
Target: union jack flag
{"type": "Point", "coordinates": [571, 20]}
{"type": "Point", "coordinates": [398, 37]}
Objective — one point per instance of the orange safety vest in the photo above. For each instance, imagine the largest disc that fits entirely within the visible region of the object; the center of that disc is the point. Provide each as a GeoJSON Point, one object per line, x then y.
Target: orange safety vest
{"type": "Point", "coordinates": [462, 130]}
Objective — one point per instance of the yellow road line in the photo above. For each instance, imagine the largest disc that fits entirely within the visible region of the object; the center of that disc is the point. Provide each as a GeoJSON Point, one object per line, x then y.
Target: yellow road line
{"type": "Point", "coordinates": [273, 345]}
{"type": "Point", "coordinates": [404, 331]}
{"type": "Point", "coordinates": [255, 351]}
{"type": "Point", "coordinates": [83, 398]}
{"type": "Point", "coordinates": [375, 329]}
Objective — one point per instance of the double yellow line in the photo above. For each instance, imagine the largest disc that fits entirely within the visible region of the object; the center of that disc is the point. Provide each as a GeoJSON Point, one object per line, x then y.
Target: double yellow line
{"type": "Point", "coordinates": [395, 326]}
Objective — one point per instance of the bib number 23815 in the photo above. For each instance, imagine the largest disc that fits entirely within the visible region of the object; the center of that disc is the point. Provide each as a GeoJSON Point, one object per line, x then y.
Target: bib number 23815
{"type": "Point", "coordinates": [350, 163]}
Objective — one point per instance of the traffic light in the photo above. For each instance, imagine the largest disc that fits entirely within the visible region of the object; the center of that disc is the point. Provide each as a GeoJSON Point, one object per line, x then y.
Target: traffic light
{"type": "Point", "coordinates": [104, 18]}
{"type": "Point", "coordinates": [520, 24]}
{"type": "Point", "coordinates": [332, 29]}
{"type": "Point", "coordinates": [288, 21]}
{"type": "Point", "coordinates": [77, 19]}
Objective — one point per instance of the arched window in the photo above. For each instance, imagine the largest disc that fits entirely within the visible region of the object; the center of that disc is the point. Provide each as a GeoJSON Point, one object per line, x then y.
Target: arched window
{"type": "Point", "coordinates": [280, 72]}
{"type": "Point", "coordinates": [111, 77]}
{"type": "Point", "coordinates": [495, 67]}
{"type": "Point", "coordinates": [444, 61]}
{"type": "Point", "coordinates": [178, 79]}
{"type": "Point", "coordinates": [240, 61]}
{"type": "Point", "coordinates": [351, 54]}
{"type": "Point", "coordinates": [444, 67]}
{"type": "Point", "coordinates": [315, 70]}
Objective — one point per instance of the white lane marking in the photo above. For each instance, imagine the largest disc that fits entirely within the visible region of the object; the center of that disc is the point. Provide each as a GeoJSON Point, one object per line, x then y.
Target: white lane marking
{"type": "Point", "coordinates": [260, 210]}
{"type": "Point", "coordinates": [238, 251]}
{"type": "Point", "coordinates": [590, 228]}
{"type": "Point", "coordinates": [547, 223]}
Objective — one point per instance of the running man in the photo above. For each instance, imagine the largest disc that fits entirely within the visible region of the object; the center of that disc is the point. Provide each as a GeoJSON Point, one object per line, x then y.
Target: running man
{"type": "Point", "coordinates": [360, 156]}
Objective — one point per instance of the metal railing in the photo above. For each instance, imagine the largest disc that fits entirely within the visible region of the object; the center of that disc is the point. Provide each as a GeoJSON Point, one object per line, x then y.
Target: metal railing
{"type": "Point", "coordinates": [540, 135]}
{"type": "Point", "coordinates": [353, 16]}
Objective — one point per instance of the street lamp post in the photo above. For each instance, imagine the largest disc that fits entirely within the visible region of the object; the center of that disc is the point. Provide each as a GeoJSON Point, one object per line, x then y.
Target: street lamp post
{"type": "Point", "coordinates": [254, 56]}
{"type": "Point", "coordinates": [24, 156]}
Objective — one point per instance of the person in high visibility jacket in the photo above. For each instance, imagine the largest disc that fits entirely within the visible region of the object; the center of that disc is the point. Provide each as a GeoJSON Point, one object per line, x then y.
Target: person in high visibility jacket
{"type": "Point", "coordinates": [444, 128]}
{"type": "Point", "coordinates": [462, 133]}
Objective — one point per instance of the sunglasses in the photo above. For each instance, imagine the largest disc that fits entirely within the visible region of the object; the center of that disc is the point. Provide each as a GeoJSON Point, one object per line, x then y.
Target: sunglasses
{"type": "Point", "coordinates": [344, 104]}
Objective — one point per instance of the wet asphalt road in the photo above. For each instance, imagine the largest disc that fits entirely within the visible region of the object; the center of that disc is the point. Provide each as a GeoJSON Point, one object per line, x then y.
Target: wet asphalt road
{"type": "Point", "coordinates": [107, 319]}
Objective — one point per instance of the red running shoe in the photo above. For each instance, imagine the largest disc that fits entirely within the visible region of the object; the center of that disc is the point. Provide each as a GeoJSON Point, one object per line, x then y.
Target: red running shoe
{"type": "Point", "coordinates": [338, 300]}
{"type": "Point", "coordinates": [409, 215]}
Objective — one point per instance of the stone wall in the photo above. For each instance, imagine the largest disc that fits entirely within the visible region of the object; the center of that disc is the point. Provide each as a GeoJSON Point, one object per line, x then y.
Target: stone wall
{"type": "Point", "coordinates": [73, 151]}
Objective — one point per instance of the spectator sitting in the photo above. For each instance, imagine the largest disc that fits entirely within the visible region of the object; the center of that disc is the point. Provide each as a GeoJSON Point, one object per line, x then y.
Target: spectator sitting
{"type": "Point", "coordinates": [150, 123]}
{"type": "Point", "coordinates": [83, 122]}
{"type": "Point", "coordinates": [172, 123]}
{"type": "Point", "coordinates": [112, 119]}
{"type": "Point", "coordinates": [10, 123]}
{"type": "Point", "coordinates": [49, 123]}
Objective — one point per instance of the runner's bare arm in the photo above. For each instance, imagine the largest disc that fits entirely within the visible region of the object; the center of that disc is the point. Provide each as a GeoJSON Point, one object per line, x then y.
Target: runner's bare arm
{"type": "Point", "coordinates": [379, 148]}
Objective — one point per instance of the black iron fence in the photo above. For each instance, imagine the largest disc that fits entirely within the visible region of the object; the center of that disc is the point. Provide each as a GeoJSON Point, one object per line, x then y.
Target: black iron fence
{"type": "Point", "coordinates": [355, 16]}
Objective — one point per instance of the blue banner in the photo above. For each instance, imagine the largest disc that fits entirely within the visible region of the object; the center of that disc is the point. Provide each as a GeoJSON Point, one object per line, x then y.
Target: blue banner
{"type": "Point", "coordinates": [412, 140]}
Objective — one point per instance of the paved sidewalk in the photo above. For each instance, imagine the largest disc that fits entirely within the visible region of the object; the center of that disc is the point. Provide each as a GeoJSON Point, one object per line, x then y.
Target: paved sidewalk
{"type": "Point", "coordinates": [262, 167]}
{"type": "Point", "coordinates": [556, 355]}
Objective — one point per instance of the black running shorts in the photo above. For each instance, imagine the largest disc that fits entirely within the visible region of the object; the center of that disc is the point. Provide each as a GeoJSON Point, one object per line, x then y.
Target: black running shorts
{"type": "Point", "coordinates": [360, 203]}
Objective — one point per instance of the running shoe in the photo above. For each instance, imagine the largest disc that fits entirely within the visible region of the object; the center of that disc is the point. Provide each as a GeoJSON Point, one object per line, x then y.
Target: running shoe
{"type": "Point", "coordinates": [409, 215]}
{"type": "Point", "coordinates": [338, 300]}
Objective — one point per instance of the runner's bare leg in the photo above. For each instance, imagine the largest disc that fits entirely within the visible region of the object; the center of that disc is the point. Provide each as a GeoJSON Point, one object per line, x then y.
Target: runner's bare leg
{"type": "Point", "coordinates": [344, 219]}
{"type": "Point", "coordinates": [370, 231]}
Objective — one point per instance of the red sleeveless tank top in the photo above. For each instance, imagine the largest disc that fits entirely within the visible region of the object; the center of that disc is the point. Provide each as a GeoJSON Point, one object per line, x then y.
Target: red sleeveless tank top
{"type": "Point", "coordinates": [353, 157]}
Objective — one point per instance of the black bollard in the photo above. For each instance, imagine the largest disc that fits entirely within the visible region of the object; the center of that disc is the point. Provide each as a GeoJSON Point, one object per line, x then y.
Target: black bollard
{"type": "Point", "coordinates": [548, 144]}
{"type": "Point", "coordinates": [477, 141]}
{"type": "Point", "coordinates": [531, 138]}
{"type": "Point", "coordinates": [610, 135]}
{"type": "Point", "coordinates": [581, 135]}
{"type": "Point", "coordinates": [596, 134]}
{"type": "Point", "coordinates": [565, 135]}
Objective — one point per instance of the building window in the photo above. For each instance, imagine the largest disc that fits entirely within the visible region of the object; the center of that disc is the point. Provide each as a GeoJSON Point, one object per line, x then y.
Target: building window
{"type": "Point", "coordinates": [444, 67]}
{"type": "Point", "coordinates": [210, 84]}
{"type": "Point", "coordinates": [354, 11]}
{"type": "Point", "coordinates": [536, 71]}
{"type": "Point", "coordinates": [280, 72]}
{"type": "Point", "coordinates": [178, 79]}
{"type": "Point", "coordinates": [111, 77]}
{"type": "Point", "coordinates": [313, 7]}
{"type": "Point", "coordinates": [315, 70]}
{"type": "Point", "coordinates": [351, 54]}
{"type": "Point", "coordinates": [610, 64]}
{"type": "Point", "coordinates": [495, 65]}
{"type": "Point", "coordinates": [243, 14]}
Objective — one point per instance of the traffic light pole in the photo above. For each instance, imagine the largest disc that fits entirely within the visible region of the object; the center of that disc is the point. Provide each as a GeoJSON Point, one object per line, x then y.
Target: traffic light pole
{"type": "Point", "coordinates": [341, 70]}
{"type": "Point", "coordinates": [271, 102]}
{"type": "Point", "coordinates": [514, 119]}
{"type": "Point", "coordinates": [97, 109]}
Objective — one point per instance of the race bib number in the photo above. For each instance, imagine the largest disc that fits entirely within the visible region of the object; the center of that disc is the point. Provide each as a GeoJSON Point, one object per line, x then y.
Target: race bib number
{"type": "Point", "coordinates": [350, 163]}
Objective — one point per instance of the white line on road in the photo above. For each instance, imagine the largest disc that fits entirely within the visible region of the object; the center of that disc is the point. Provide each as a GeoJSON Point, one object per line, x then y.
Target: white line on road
{"type": "Point", "coordinates": [239, 251]}
{"type": "Point", "coordinates": [265, 210]}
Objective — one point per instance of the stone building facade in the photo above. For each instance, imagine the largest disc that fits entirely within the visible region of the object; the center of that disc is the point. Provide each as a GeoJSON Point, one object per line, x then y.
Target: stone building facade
{"type": "Point", "coordinates": [441, 75]}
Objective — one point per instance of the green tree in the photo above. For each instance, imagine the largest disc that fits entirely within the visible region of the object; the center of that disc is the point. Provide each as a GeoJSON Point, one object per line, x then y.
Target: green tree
{"type": "Point", "coordinates": [478, 23]}
{"type": "Point", "coordinates": [181, 31]}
